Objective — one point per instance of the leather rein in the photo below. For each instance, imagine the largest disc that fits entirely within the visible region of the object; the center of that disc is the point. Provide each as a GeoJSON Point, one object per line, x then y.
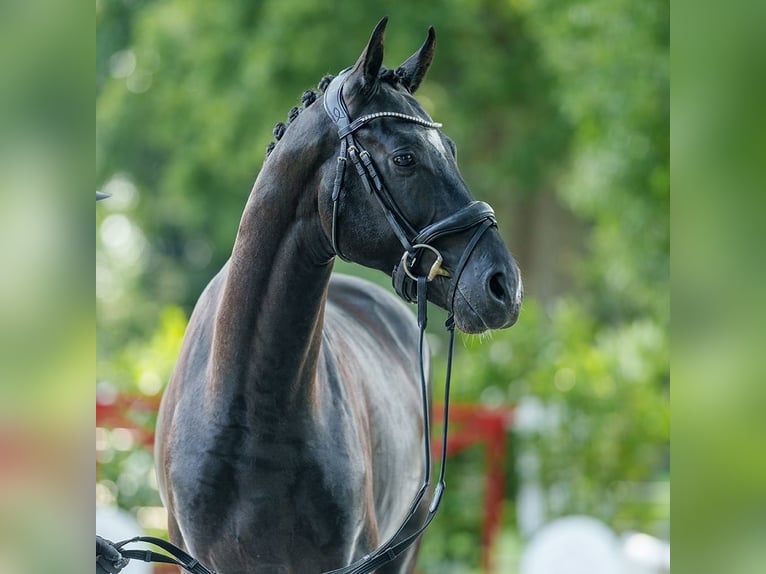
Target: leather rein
{"type": "Point", "coordinates": [411, 287]}
{"type": "Point", "coordinates": [408, 285]}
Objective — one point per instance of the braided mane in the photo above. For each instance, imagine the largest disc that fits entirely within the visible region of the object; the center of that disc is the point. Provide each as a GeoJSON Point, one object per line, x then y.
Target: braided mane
{"type": "Point", "coordinates": [310, 96]}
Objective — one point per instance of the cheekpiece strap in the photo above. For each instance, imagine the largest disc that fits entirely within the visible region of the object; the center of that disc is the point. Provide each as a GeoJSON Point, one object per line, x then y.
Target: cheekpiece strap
{"type": "Point", "coordinates": [351, 151]}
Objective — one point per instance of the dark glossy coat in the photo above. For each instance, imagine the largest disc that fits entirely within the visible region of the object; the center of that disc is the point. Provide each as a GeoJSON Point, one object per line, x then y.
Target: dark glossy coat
{"type": "Point", "coordinates": [289, 438]}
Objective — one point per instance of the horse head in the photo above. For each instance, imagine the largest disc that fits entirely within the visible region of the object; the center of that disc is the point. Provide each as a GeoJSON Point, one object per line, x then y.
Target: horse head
{"type": "Point", "coordinates": [392, 198]}
{"type": "Point", "coordinates": [411, 193]}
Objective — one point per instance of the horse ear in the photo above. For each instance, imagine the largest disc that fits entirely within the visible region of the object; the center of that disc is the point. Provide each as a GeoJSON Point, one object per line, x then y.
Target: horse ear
{"type": "Point", "coordinates": [412, 72]}
{"type": "Point", "coordinates": [368, 65]}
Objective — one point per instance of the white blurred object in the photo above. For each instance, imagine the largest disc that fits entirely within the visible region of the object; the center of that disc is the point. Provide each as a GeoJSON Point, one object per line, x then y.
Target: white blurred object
{"type": "Point", "coordinates": [115, 525]}
{"type": "Point", "coordinates": [530, 508]}
{"type": "Point", "coordinates": [584, 545]}
{"type": "Point", "coordinates": [531, 416]}
{"type": "Point", "coordinates": [645, 554]}
{"type": "Point", "coordinates": [573, 545]}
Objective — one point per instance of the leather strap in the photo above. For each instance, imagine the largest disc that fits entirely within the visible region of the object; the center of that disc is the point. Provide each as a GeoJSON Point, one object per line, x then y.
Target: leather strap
{"type": "Point", "coordinates": [484, 226]}
{"type": "Point", "coordinates": [462, 220]}
{"type": "Point", "coordinates": [177, 556]}
{"type": "Point", "coordinates": [333, 101]}
{"type": "Point", "coordinates": [335, 106]}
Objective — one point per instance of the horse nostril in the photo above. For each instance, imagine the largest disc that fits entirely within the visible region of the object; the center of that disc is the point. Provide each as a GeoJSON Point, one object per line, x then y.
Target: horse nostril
{"type": "Point", "coordinates": [496, 286]}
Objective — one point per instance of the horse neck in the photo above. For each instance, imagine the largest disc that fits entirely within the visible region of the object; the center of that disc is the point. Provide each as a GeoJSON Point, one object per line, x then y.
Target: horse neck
{"type": "Point", "coordinates": [269, 321]}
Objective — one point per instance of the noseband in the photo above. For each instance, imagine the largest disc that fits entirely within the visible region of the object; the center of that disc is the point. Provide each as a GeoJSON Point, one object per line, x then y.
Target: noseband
{"type": "Point", "coordinates": [476, 214]}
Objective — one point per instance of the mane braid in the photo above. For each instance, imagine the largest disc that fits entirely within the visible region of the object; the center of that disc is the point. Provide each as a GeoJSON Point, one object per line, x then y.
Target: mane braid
{"type": "Point", "coordinates": [392, 77]}
{"type": "Point", "coordinates": [307, 98]}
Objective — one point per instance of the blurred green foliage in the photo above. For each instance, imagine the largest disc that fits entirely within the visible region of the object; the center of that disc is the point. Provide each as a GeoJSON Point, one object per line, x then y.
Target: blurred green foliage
{"type": "Point", "coordinates": [719, 396]}
{"type": "Point", "coordinates": [539, 95]}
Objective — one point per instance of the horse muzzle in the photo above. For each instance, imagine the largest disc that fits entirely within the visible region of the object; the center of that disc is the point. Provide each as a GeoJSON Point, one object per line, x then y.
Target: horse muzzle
{"type": "Point", "coordinates": [491, 300]}
{"type": "Point", "coordinates": [481, 287]}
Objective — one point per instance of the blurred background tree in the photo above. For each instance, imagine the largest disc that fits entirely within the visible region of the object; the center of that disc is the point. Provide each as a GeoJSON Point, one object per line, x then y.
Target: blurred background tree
{"type": "Point", "coordinates": [560, 113]}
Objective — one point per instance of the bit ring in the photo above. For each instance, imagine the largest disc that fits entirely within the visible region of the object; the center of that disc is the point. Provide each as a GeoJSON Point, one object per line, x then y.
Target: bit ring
{"type": "Point", "coordinates": [436, 267]}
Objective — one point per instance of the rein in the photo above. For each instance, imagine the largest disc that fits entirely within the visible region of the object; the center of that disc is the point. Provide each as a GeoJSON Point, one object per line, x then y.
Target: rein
{"type": "Point", "coordinates": [409, 286]}
{"type": "Point", "coordinates": [177, 556]}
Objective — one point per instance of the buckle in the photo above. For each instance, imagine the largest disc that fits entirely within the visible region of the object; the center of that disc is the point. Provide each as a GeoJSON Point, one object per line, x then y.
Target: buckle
{"type": "Point", "coordinates": [436, 267]}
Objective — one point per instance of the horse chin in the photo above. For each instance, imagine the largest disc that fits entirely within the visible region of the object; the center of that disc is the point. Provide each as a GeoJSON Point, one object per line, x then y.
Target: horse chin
{"type": "Point", "coordinates": [467, 319]}
{"type": "Point", "coordinates": [470, 325]}
{"type": "Point", "coordinates": [474, 318]}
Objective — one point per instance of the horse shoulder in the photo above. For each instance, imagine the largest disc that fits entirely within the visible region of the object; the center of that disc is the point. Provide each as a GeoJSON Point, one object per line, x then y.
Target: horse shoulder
{"type": "Point", "coordinates": [190, 369]}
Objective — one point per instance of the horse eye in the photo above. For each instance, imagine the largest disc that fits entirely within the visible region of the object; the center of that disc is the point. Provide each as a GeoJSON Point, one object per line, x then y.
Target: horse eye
{"type": "Point", "coordinates": [403, 160]}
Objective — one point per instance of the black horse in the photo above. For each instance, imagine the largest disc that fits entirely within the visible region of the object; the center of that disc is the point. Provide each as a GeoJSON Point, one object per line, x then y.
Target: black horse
{"type": "Point", "coordinates": [289, 438]}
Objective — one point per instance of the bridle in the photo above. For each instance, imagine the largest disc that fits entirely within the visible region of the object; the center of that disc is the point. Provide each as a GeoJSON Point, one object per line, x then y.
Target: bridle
{"type": "Point", "coordinates": [411, 287]}
{"type": "Point", "coordinates": [477, 214]}
{"type": "Point", "coordinates": [408, 285]}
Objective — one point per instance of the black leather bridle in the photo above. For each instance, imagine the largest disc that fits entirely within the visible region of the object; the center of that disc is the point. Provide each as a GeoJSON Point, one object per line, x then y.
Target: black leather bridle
{"type": "Point", "coordinates": [477, 214]}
